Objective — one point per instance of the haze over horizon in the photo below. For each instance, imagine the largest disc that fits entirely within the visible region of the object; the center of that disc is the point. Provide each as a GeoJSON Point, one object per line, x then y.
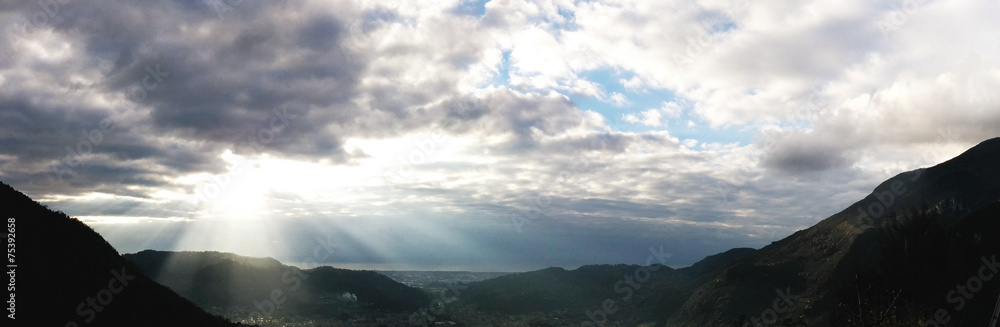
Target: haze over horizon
{"type": "Point", "coordinates": [481, 135]}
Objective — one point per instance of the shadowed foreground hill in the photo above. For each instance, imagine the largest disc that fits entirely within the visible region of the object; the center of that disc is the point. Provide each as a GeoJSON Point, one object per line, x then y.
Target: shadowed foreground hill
{"type": "Point", "coordinates": [899, 250]}
{"type": "Point", "coordinates": [68, 275]}
{"type": "Point", "coordinates": [229, 281]}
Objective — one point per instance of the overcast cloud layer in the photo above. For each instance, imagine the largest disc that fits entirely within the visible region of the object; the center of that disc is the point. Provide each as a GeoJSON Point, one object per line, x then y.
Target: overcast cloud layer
{"type": "Point", "coordinates": [504, 135]}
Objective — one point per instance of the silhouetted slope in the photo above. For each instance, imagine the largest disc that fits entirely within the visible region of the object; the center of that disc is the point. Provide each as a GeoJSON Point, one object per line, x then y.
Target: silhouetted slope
{"type": "Point", "coordinates": [546, 289]}
{"type": "Point", "coordinates": [816, 262]}
{"type": "Point", "coordinates": [916, 262]}
{"type": "Point", "coordinates": [226, 280]}
{"type": "Point", "coordinates": [62, 263]}
{"type": "Point", "coordinates": [370, 287]}
{"type": "Point", "coordinates": [712, 263]}
{"type": "Point", "coordinates": [177, 270]}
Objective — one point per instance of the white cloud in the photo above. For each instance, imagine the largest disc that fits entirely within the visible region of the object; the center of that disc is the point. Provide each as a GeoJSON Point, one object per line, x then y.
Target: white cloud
{"type": "Point", "coordinates": [651, 117]}
{"type": "Point", "coordinates": [619, 100]}
{"type": "Point", "coordinates": [655, 117]}
{"type": "Point", "coordinates": [671, 109]}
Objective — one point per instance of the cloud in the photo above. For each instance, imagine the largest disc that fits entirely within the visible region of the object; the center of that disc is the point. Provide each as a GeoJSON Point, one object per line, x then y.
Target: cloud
{"type": "Point", "coordinates": [654, 117]}
{"type": "Point", "coordinates": [649, 117]}
{"type": "Point", "coordinates": [806, 158]}
{"type": "Point", "coordinates": [619, 100]}
{"type": "Point", "coordinates": [408, 110]}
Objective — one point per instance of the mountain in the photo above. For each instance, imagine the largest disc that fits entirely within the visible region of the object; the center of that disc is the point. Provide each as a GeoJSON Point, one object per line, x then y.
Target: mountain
{"type": "Point", "coordinates": [902, 255]}
{"type": "Point", "coordinates": [640, 293]}
{"type": "Point", "coordinates": [247, 285]}
{"type": "Point", "coordinates": [938, 206]}
{"type": "Point", "coordinates": [68, 275]}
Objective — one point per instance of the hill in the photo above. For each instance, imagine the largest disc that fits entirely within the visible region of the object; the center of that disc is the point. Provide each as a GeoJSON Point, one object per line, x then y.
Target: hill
{"type": "Point", "coordinates": [248, 285]}
{"type": "Point", "coordinates": [916, 213]}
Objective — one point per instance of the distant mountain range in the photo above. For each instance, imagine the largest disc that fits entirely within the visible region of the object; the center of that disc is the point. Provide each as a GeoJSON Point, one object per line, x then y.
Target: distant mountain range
{"type": "Point", "coordinates": [226, 280]}
{"type": "Point", "coordinates": [68, 275]}
{"type": "Point", "coordinates": [639, 293]}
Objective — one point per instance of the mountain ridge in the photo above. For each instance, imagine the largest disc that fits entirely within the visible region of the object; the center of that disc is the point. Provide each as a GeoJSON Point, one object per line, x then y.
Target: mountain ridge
{"type": "Point", "coordinates": [227, 280]}
{"type": "Point", "coordinates": [817, 252]}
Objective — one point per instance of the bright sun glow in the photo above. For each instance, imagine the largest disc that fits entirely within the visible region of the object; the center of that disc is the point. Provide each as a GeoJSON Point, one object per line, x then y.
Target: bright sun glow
{"type": "Point", "coordinates": [256, 196]}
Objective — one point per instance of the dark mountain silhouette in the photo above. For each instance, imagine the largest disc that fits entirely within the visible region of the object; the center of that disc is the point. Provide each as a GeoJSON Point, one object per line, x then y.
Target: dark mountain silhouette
{"type": "Point", "coordinates": [585, 289]}
{"type": "Point", "coordinates": [893, 258]}
{"type": "Point", "coordinates": [226, 280]}
{"type": "Point", "coordinates": [68, 275]}
{"type": "Point", "coordinates": [840, 251]}
{"type": "Point", "coordinates": [552, 288]}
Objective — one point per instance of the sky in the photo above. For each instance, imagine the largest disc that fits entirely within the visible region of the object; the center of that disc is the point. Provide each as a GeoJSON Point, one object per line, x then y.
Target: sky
{"type": "Point", "coordinates": [501, 135]}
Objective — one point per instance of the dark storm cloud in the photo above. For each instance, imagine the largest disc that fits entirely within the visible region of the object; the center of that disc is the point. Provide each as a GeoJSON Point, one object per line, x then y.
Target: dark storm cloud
{"type": "Point", "coordinates": [797, 157]}
{"type": "Point", "coordinates": [182, 81]}
{"type": "Point", "coordinates": [197, 82]}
